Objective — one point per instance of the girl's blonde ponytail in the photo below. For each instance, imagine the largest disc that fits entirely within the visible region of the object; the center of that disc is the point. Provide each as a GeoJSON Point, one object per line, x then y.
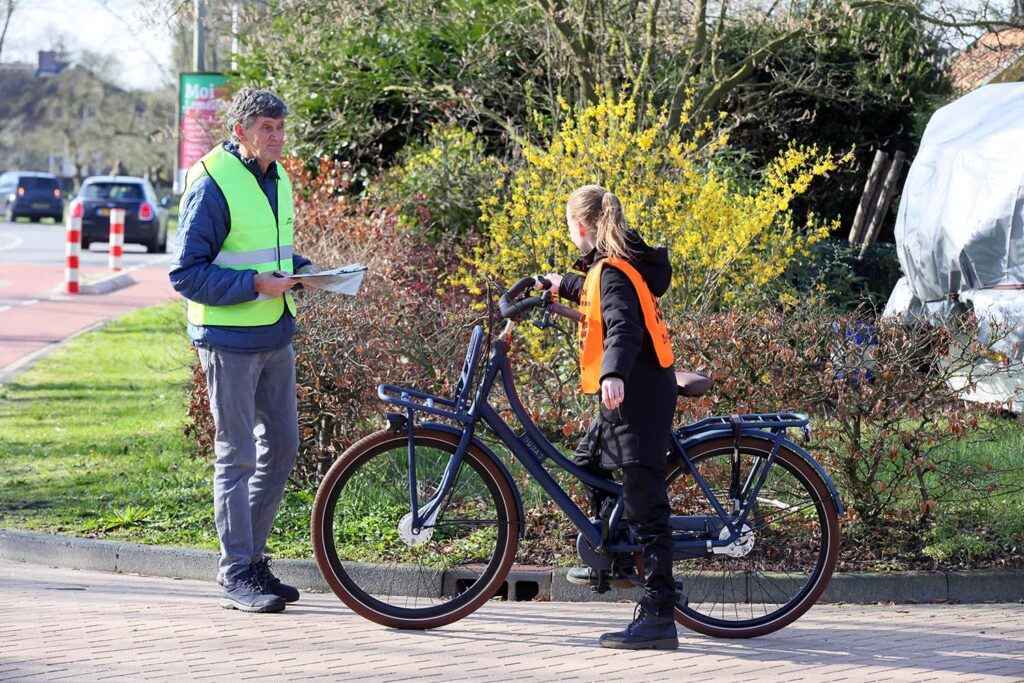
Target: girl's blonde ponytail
{"type": "Point", "coordinates": [600, 210]}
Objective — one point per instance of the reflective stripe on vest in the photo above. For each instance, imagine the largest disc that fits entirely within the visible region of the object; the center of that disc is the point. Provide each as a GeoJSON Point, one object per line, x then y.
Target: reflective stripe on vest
{"type": "Point", "coordinates": [256, 241]}
{"type": "Point", "coordinates": [591, 331]}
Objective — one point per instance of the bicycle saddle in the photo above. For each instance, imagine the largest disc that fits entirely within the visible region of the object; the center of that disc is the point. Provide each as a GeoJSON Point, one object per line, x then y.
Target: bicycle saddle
{"type": "Point", "coordinates": [692, 383]}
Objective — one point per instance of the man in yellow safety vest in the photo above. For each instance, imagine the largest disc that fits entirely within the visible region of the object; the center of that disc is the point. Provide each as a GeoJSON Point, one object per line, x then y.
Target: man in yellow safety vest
{"type": "Point", "coordinates": [232, 260]}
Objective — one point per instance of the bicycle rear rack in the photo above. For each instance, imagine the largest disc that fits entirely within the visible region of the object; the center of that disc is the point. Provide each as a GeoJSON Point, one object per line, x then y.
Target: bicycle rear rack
{"type": "Point", "coordinates": [772, 422]}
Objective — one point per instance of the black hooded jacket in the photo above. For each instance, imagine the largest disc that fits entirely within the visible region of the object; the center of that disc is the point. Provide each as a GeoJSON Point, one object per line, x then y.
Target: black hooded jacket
{"type": "Point", "coordinates": [635, 433]}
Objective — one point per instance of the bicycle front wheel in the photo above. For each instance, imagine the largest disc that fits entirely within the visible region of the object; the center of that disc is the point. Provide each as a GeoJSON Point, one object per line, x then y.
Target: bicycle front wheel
{"type": "Point", "coordinates": [367, 554]}
{"type": "Point", "coordinates": [787, 552]}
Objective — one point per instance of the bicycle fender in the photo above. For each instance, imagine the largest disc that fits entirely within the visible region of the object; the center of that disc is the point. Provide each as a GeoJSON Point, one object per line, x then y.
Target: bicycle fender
{"type": "Point", "coordinates": [786, 443]}
{"type": "Point", "coordinates": [455, 431]}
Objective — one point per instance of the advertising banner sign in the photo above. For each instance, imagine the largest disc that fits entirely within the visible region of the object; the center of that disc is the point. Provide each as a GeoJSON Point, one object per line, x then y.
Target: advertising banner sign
{"type": "Point", "coordinates": [202, 99]}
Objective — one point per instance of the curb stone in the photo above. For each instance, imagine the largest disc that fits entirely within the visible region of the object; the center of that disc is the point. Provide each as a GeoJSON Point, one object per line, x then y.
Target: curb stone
{"type": "Point", "coordinates": [105, 284]}
{"type": "Point", "coordinates": [523, 583]}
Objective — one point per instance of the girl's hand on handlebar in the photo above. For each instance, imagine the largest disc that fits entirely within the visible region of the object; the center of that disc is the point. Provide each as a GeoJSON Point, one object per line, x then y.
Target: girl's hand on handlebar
{"type": "Point", "coordinates": [613, 391]}
{"type": "Point", "coordinates": [555, 279]}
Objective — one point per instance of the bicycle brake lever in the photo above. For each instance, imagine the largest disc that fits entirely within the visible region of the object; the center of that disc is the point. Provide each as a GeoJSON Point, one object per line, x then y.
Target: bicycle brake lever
{"type": "Point", "coordinates": [544, 323]}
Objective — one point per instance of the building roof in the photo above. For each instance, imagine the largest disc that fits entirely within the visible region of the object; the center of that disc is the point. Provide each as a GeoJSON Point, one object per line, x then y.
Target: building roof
{"type": "Point", "coordinates": [989, 59]}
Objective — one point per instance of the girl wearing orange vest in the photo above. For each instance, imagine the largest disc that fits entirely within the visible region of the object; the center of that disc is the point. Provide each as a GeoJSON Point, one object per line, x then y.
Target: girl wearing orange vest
{"type": "Point", "coordinates": [625, 356]}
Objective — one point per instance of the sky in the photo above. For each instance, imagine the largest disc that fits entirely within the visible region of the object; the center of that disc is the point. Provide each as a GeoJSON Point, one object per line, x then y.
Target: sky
{"type": "Point", "coordinates": [124, 28]}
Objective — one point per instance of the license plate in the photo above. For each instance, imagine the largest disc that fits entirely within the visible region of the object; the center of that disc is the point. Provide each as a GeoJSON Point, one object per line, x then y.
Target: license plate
{"type": "Point", "coordinates": [103, 212]}
{"type": "Point", "coordinates": [40, 206]}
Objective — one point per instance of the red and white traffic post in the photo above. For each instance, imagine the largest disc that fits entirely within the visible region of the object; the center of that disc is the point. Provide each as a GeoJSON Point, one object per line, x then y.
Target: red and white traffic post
{"type": "Point", "coordinates": [73, 250]}
{"type": "Point", "coordinates": [116, 238]}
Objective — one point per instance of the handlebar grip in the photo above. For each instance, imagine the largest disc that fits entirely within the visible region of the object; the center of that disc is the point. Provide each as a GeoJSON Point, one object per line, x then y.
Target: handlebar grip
{"type": "Point", "coordinates": [566, 312]}
{"type": "Point", "coordinates": [507, 305]}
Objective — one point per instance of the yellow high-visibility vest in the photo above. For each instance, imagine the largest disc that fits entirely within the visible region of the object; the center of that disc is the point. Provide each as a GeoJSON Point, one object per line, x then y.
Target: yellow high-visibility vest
{"type": "Point", "coordinates": [256, 241]}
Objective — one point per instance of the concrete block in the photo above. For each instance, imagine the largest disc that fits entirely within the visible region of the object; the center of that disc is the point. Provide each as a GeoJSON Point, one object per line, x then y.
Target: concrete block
{"type": "Point", "coordinates": [708, 588]}
{"type": "Point", "coordinates": [887, 587]}
{"type": "Point", "coordinates": [395, 579]}
{"type": "Point", "coordinates": [563, 591]}
{"type": "Point", "coordinates": [986, 586]}
{"type": "Point", "coordinates": [303, 574]}
{"type": "Point", "coordinates": [181, 563]}
{"type": "Point", "coordinates": [521, 584]}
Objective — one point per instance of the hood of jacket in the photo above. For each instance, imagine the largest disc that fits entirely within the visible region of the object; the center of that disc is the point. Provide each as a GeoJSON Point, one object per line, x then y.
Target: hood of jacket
{"type": "Point", "coordinates": [651, 262]}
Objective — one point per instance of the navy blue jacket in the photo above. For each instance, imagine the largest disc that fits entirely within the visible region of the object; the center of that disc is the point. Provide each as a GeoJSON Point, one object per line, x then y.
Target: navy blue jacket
{"type": "Point", "coordinates": [203, 226]}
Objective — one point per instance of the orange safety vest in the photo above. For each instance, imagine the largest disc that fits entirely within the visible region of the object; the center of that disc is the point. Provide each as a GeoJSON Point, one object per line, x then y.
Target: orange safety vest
{"type": "Point", "coordinates": [592, 326]}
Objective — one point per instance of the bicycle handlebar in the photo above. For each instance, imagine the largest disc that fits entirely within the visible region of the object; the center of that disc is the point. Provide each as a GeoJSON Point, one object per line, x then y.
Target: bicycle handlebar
{"type": "Point", "coordinates": [509, 307]}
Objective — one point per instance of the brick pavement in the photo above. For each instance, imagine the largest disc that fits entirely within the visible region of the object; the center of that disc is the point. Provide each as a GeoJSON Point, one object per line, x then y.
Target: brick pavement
{"type": "Point", "coordinates": [60, 624]}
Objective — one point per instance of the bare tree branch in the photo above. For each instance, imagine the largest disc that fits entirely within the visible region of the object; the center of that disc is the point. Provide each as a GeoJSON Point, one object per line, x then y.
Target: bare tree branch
{"type": "Point", "coordinates": [8, 8]}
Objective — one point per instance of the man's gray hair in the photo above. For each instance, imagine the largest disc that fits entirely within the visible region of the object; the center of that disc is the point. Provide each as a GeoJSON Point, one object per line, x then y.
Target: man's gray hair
{"type": "Point", "coordinates": [249, 104]}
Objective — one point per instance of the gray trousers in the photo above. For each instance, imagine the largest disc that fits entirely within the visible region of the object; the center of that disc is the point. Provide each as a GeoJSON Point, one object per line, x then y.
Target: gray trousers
{"type": "Point", "coordinates": [252, 398]}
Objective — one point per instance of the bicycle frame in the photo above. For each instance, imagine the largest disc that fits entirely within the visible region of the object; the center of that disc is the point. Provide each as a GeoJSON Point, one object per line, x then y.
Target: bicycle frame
{"type": "Point", "coordinates": [531, 449]}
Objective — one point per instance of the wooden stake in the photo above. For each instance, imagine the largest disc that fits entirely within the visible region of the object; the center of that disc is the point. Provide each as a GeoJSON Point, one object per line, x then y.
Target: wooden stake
{"type": "Point", "coordinates": [882, 204]}
{"type": "Point", "coordinates": [867, 198]}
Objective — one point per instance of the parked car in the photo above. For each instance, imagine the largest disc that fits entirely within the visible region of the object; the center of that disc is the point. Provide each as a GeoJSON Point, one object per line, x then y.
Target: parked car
{"type": "Point", "coordinates": [30, 195]}
{"type": "Point", "coordinates": [145, 219]}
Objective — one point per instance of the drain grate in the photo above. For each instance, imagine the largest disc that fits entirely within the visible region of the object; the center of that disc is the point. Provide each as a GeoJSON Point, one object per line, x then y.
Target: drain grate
{"type": "Point", "coordinates": [521, 585]}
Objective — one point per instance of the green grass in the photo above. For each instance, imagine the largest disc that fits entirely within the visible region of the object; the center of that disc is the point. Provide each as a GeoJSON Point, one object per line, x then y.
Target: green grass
{"type": "Point", "coordinates": [91, 443]}
{"type": "Point", "coordinates": [92, 438]}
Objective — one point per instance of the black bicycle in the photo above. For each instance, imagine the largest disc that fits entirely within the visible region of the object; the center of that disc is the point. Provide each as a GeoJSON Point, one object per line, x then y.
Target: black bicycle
{"type": "Point", "coordinates": [417, 525]}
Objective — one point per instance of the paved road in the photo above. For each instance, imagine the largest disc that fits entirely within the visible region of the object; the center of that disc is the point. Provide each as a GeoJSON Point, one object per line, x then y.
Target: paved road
{"type": "Point", "coordinates": [37, 315]}
{"type": "Point", "coordinates": [43, 243]}
{"type": "Point", "coordinates": [60, 624]}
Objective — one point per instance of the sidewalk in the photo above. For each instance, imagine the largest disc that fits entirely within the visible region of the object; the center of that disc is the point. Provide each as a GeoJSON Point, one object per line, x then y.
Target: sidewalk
{"type": "Point", "coordinates": [59, 624]}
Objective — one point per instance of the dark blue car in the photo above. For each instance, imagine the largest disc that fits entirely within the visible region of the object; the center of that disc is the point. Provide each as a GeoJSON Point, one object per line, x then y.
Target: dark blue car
{"type": "Point", "coordinates": [145, 215]}
{"type": "Point", "coordinates": [25, 194]}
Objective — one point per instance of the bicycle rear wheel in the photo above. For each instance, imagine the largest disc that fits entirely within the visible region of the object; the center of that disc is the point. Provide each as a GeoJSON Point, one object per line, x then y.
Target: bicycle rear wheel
{"type": "Point", "coordinates": [442, 575]}
{"type": "Point", "coordinates": [778, 572]}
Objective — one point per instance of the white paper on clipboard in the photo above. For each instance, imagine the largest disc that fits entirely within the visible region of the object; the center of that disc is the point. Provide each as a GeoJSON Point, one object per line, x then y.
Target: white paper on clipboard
{"type": "Point", "coordinates": [343, 280]}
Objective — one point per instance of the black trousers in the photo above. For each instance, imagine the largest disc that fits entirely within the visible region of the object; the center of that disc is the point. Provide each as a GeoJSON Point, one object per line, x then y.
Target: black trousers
{"type": "Point", "coordinates": [634, 438]}
{"type": "Point", "coordinates": [647, 514]}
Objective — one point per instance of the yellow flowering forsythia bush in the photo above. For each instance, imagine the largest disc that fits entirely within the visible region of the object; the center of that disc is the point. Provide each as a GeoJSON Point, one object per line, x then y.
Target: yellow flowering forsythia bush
{"type": "Point", "coordinates": [725, 243]}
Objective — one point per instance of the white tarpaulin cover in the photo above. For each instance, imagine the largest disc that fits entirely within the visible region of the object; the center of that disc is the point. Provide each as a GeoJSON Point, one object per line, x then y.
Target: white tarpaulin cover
{"type": "Point", "coordinates": [960, 226]}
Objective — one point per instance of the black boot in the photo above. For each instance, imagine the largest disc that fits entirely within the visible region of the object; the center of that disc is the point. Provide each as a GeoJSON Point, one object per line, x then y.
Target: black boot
{"type": "Point", "coordinates": [652, 629]}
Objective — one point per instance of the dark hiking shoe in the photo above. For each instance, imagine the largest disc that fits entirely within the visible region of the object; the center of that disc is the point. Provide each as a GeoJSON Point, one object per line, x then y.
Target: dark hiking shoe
{"type": "Point", "coordinates": [248, 595]}
{"type": "Point", "coordinates": [650, 630]}
{"type": "Point", "coordinates": [585, 576]}
{"type": "Point", "coordinates": [271, 583]}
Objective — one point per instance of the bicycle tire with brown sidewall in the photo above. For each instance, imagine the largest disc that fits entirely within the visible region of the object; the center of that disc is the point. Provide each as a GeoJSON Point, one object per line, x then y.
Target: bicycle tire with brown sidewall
{"type": "Point", "coordinates": [821, 491]}
{"type": "Point", "coordinates": [351, 458]}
